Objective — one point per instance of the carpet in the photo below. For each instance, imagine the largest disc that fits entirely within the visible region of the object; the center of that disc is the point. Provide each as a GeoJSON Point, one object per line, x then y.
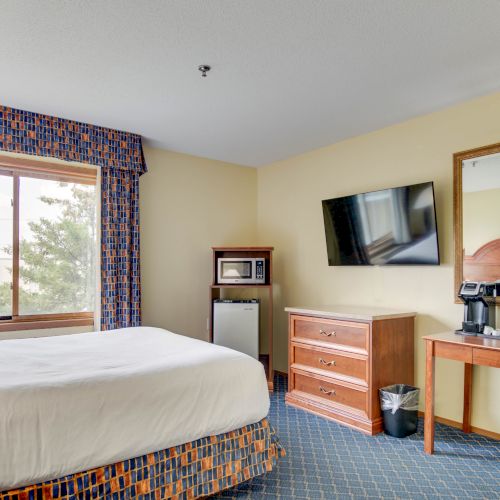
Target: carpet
{"type": "Point", "coordinates": [326, 460]}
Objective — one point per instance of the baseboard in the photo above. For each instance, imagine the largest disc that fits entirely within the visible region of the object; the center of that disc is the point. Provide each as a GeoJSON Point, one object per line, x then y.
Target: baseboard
{"type": "Point", "coordinates": [357, 421]}
{"type": "Point", "coordinates": [442, 420]}
{"type": "Point", "coordinates": [458, 425]}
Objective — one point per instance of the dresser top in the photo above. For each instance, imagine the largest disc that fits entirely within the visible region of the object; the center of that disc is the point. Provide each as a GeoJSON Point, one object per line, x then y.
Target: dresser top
{"type": "Point", "coordinates": [351, 312]}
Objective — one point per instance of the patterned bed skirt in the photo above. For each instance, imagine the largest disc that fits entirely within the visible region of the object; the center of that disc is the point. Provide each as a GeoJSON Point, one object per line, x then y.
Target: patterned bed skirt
{"type": "Point", "coordinates": [192, 470]}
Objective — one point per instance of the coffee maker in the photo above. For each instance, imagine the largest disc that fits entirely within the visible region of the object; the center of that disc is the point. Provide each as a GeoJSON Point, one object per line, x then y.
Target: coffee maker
{"type": "Point", "coordinates": [479, 300]}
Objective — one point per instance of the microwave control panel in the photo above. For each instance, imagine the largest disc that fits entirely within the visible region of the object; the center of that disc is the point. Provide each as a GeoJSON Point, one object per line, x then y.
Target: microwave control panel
{"type": "Point", "coordinates": [259, 270]}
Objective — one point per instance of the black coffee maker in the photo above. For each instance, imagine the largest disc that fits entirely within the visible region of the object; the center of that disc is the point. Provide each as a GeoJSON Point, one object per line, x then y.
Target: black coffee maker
{"type": "Point", "coordinates": [479, 300]}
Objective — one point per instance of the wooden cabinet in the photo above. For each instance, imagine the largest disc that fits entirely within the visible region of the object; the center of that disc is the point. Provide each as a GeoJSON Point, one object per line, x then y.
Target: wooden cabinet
{"type": "Point", "coordinates": [339, 358]}
{"type": "Point", "coordinates": [217, 291]}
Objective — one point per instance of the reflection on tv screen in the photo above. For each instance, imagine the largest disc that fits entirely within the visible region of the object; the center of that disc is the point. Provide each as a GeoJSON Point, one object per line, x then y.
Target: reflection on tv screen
{"type": "Point", "coordinates": [394, 226]}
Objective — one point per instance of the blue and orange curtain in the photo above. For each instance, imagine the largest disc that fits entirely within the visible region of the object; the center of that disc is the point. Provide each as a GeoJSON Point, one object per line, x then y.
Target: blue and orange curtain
{"type": "Point", "coordinates": [120, 158]}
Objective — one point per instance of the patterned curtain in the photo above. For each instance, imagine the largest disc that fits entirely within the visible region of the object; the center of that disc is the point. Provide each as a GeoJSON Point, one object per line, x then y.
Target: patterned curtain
{"type": "Point", "coordinates": [120, 156]}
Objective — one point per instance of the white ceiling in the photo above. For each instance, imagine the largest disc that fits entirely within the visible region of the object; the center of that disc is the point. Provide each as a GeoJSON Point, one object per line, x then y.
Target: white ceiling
{"type": "Point", "coordinates": [288, 75]}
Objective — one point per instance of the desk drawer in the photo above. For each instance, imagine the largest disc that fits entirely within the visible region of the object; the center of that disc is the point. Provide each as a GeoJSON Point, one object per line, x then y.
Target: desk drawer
{"type": "Point", "coordinates": [334, 362]}
{"type": "Point", "coordinates": [486, 357]}
{"type": "Point", "coordinates": [453, 351]}
{"type": "Point", "coordinates": [331, 392]}
{"type": "Point", "coordinates": [343, 334]}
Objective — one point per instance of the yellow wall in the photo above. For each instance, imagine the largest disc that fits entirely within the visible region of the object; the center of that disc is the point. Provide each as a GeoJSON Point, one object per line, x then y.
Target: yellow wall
{"type": "Point", "coordinates": [290, 218]}
{"type": "Point", "coordinates": [189, 204]}
{"type": "Point", "coordinates": [481, 221]}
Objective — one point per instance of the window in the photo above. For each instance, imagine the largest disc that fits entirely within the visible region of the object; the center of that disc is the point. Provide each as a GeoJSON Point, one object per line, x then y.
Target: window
{"type": "Point", "coordinates": [48, 255]}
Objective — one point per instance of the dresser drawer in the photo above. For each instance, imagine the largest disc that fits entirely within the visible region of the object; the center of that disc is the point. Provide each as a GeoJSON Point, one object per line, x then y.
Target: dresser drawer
{"type": "Point", "coordinates": [334, 362]}
{"type": "Point", "coordinates": [331, 392]}
{"type": "Point", "coordinates": [338, 334]}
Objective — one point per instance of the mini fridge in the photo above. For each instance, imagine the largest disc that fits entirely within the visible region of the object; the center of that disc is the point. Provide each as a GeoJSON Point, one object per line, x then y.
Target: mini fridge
{"type": "Point", "coordinates": [236, 325]}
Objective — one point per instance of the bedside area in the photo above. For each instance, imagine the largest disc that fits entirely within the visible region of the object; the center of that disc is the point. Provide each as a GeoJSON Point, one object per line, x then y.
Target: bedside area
{"type": "Point", "coordinates": [340, 356]}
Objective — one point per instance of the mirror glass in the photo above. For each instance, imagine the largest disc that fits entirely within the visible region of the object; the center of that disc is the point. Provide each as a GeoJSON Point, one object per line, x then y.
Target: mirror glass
{"type": "Point", "coordinates": [481, 223]}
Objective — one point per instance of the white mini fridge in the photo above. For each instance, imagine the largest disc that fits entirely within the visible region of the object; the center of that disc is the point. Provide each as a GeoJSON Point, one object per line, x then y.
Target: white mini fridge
{"type": "Point", "coordinates": [236, 325]}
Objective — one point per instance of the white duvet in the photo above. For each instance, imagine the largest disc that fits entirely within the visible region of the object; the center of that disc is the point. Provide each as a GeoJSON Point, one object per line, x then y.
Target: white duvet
{"type": "Point", "coordinates": [75, 402]}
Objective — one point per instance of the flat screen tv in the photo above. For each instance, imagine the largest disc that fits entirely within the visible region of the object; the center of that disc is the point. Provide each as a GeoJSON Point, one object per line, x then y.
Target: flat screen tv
{"type": "Point", "coordinates": [394, 226]}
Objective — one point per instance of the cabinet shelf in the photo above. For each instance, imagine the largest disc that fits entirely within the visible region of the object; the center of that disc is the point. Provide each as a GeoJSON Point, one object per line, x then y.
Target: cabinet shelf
{"type": "Point", "coordinates": [216, 293]}
{"type": "Point", "coordinates": [242, 285]}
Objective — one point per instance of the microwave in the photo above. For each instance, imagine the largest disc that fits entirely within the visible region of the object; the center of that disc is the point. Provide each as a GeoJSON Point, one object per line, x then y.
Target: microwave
{"type": "Point", "coordinates": [236, 270]}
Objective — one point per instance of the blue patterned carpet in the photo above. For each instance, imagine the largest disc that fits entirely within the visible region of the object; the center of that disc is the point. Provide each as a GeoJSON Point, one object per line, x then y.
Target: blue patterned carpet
{"type": "Point", "coordinates": [327, 460]}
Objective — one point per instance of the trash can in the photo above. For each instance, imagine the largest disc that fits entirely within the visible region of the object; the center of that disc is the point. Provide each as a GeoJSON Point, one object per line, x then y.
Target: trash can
{"type": "Point", "coordinates": [399, 404]}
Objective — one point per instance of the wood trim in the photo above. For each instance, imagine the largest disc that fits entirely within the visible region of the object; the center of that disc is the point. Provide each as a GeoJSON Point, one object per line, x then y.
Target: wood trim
{"type": "Point", "coordinates": [458, 158]}
{"type": "Point", "coordinates": [270, 375]}
{"type": "Point", "coordinates": [216, 291]}
{"type": "Point", "coordinates": [61, 322]}
{"type": "Point", "coordinates": [52, 317]}
{"type": "Point", "coordinates": [454, 351]}
{"type": "Point", "coordinates": [290, 354]}
{"type": "Point", "coordinates": [242, 285]}
{"type": "Point", "coordinates": [25, 166]}
{"type": "Point", "coordinates": [242, 249]}
{"type": "Point", "coordinates": [465, 342]}
{"type": "Point", "coordinates": [458, 425]}
{"type": "Point", "coordinates": [336, 318]}
{"type": "Point", "coordinates": [430, 363]}
{"type": "Point", "coordinates": [15, 246]}
{"type": "Point", "coordinates": [355, 421]}
{"type": "Point", "coordinates": [467, 397]}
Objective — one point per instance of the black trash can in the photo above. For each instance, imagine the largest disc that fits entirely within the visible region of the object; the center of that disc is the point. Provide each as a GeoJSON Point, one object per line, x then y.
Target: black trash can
{"type": "Point", "coordinates": [399, 404]}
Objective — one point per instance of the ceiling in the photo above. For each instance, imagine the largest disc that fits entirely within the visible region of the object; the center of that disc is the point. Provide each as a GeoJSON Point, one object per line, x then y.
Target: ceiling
{"type": "Point", "coordinates": [288, 75]}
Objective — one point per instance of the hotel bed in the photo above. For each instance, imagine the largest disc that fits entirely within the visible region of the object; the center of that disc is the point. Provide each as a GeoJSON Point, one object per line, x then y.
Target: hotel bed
{"type": "Point", "coordinates": [132, 412]}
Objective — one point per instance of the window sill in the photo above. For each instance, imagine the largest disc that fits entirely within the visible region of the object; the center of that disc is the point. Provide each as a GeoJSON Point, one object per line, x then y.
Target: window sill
{"type": "Point", "coordinates": [51, 321]}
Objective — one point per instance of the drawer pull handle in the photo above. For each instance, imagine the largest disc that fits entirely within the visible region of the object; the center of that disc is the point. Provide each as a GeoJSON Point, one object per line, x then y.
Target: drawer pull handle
{"type": "Point", "coordinates": [327, 334]}
{"type": "Point", "coordinates": [327, 392]}
{"type": "Point", "coordinates": [327, 363]}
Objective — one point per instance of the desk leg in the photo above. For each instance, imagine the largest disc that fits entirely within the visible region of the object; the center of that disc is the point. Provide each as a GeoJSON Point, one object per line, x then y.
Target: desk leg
{"type": "Point", "coordinates": [467, 397]}
{"type": "Point", "coordinates": [429, 398]}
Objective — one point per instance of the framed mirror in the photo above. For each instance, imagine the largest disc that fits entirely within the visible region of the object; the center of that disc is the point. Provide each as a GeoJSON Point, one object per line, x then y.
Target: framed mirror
{"type": "Point", "coordinates": [476, 198]}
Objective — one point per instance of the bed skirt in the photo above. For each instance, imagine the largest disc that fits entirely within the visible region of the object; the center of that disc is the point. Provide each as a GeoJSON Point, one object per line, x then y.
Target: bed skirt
{"type": "Point", "coordinates": [192, 470]}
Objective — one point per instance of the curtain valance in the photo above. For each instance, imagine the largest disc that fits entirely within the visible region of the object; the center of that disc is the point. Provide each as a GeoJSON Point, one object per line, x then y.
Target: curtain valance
{"type": "Point", "coordinates": [43, 135]}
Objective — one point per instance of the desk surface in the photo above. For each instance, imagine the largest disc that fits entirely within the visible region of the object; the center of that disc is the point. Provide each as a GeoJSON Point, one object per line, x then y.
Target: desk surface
{"type": "Point", "coordinates": [454, 338]}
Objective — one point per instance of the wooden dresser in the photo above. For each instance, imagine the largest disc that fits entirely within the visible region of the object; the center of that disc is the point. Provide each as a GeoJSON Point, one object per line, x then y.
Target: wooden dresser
{"type": "Point", "coordinates": [340, 356]}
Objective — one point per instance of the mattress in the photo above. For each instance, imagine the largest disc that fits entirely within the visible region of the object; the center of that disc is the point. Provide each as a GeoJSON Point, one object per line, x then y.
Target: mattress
{"type": "Point", "coordinates": [76, 402]}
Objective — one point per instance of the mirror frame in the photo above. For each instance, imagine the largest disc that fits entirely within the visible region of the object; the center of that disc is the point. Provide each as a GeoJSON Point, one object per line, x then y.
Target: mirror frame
{"type": "Point", "coordinates": [458, 158]}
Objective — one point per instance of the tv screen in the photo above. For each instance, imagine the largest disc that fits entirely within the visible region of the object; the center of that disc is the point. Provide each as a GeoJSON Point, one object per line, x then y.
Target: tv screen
{"type": "Point", "coordinates": [390, 227]}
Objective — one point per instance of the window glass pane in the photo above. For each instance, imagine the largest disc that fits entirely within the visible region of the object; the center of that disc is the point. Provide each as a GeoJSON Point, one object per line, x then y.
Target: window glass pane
{"type": "Point", "coordinates": [57, 247]}
{"type": "Point", "coordinates": [6, 184]}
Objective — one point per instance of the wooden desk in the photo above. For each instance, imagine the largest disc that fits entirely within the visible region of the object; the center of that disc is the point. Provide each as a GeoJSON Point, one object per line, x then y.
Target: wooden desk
{"type": "Point", "coordinates": [471, 351]}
